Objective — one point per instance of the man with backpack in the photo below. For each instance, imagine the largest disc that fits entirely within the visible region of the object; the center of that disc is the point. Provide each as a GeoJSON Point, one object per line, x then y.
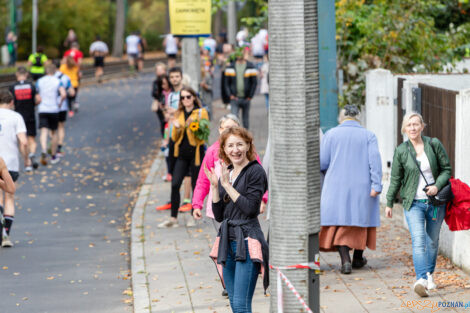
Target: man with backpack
{"type": "Point", "coordinates": [37, 62]}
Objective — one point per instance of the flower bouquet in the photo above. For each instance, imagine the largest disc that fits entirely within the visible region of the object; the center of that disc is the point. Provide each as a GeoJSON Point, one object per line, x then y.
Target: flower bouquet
{"type": "Point", "coordinates": [201, 129]}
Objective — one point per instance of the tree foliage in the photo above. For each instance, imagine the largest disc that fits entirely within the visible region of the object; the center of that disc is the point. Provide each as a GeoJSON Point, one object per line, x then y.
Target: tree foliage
{"type": "Point", "coordinates": [399, 35]}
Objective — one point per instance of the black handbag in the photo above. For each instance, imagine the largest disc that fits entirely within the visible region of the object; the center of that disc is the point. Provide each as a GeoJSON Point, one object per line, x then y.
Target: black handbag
{"type": "Point", "coordinates": [444, 195]}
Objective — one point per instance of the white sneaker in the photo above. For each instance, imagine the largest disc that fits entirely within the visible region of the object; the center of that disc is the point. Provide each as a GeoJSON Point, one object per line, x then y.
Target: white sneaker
{"type": "Point", "coordinates": [431, 284]}
{"type": "Point", "coordinates": [168, 224]}
{"type": "Point", "coordinates": [28, 169]}
{"type": "Point", "coordinates": [6, 242]}
{"type": "Point", "coordinates": [55, 160]}
{"type": "Point", "coordinates": [420, 287]}
{"type": "Point", "coordinates": [191, 222]}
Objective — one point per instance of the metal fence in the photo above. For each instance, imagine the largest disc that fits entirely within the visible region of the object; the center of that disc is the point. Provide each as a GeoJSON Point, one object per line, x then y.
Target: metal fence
{"type": "Point", "coordinates": [438, 110]}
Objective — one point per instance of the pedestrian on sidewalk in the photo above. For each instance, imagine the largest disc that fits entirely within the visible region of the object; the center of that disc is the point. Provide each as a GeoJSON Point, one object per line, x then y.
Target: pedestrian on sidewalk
{"type": "Point", "coordinates": [49, 87]}
{"type": "Point", "coordinates": [12, 142]}
{"type": "Point", "coordinates": [25, 100]}
{"type": "Point", "coordinates": [424, 218]}
{"type": "Point", "coordinates": [240, 246]}
{"type": "Point", "coordinates": [188, 149]}
{"type": "Point", "coordinates": [240, 84]}
{"type": "Point", "coordinates": [161, 90]}
{"type": "Point", "coordinates": [349, 154]}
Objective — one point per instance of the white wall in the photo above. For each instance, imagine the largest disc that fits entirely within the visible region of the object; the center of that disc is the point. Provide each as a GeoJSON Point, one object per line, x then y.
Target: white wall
{"type": "Point", "coordinates": [381, 116]}
{"type": "Point", "coordinates": [456, 245]}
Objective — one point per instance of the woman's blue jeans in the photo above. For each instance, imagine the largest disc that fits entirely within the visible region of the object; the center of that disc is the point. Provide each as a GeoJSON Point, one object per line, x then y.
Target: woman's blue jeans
{"type": "Point", "coordinates": [240, 280]}
{"type": "Point", "coordinates": [424, 232]}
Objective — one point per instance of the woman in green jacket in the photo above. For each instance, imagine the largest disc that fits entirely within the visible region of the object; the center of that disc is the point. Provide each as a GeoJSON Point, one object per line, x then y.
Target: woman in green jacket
{"type": "Point", "coordinates": [424, 219]}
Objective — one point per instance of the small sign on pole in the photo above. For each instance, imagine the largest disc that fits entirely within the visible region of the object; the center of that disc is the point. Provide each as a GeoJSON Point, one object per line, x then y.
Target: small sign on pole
{"type": "Point", "coordinates": [190, 18]}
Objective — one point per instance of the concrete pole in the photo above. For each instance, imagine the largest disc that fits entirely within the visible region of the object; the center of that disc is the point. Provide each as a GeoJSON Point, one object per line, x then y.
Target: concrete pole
{"type": "Point", "coordinates": [294, 168]}
{"type": "Point", "coordinates": [192, 61]}
{"type": "Point", "coordinates": [232, 22]}
{"type": "Point", "coordinates": [35, 26]}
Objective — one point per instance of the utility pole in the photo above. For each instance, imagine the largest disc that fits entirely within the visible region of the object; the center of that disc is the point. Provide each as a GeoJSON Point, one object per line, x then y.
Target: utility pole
{"type": "Point", "coordinates": [192, 61]}
{"type": "Point", "coordinates": [294, 170]}
{"type": "Point", "coordinates": [35, 26]}
{"type": "Point", "coordinates": [232, 22]}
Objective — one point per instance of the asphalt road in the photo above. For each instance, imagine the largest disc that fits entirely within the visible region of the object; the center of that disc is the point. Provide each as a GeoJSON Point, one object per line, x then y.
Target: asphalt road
{"type": "Point", "coordinates": [71, 250]}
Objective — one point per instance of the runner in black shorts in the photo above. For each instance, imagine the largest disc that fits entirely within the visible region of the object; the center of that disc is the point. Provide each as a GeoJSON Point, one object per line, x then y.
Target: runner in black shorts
{"type": "Point", "coordinates": [99, 50]}
{"type": "Point", "coordinates": [49, 121]}
{"type": "Point", "coordinates": [26, 98]}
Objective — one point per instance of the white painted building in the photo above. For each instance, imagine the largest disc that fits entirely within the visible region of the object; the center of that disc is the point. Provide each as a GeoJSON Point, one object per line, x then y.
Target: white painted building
{"type": "Point", "coordinates": [381, 118]}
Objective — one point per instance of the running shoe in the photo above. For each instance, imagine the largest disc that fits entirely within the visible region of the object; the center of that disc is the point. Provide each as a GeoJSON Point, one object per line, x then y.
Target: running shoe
{"type": "Point", "coordinates": [6, 242]}
{"type": "Point", "coordinates": [55, 159]}
{"type": "Point", "coordinates": [60, 154]}
{"type": "Point", "coordinates": [191, 222]}
{"type": "Point", "coordinates": [185, 207]}
{"type": "Point", "coordinates": [71, 113]}
{"type": "Point", "coordinates": [28, 169]}
{"type": "Point", "coordinates": [168, 224]}
{"type": "Point", "coordinates": [164, 207]}
{"type": "Point", "coordinates": [420, 287]}
{"type": "Point", "coordinates": [35, 164]}
{"type": "Point", "coordinates": [43, 159]}
{"type": "Point", "coordinates": [431, 284]}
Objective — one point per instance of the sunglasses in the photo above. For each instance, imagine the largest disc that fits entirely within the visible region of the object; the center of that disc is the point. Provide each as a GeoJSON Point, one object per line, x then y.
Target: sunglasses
{"type": "Point", "coordinates": [186, 97]}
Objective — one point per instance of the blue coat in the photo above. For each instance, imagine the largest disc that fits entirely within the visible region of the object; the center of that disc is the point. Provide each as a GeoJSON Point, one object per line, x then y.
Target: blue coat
{"type": "Point", "coordinates": [350, 156]}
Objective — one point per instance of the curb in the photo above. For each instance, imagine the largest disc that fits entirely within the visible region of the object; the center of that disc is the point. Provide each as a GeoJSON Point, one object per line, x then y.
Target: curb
{"type": "Point", "coordinates": [140, 284]}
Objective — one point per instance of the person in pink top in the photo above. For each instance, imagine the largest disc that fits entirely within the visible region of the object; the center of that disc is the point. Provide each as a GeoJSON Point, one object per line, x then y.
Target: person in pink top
{"type": "Point", "coordinates": [211, 160]}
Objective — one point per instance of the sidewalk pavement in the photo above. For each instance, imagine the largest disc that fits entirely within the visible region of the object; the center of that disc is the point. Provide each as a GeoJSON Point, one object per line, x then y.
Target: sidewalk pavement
{"type": "Point", "coordinates": [172, 272]}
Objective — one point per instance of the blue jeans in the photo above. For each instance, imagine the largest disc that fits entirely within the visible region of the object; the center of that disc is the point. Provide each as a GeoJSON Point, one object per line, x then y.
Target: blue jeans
{"type": "Point", "coordinates": [244, 105]}
{"type": "Point", "coordinates": [240, 280]}
{"type": "Point", "coordinates": [424, 232]}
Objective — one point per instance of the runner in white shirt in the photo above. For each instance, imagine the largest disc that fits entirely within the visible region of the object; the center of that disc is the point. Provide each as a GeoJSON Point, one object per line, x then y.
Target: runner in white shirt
{"type": "Point", "coordinates": [171, 49]}
{"type": "Point", "coordinates": [99, 50]}
{"type": "Point", "coordinates": [48, 88]}
{"type": "Point", "coordinates": [132, 50]}
{"type": "Point", "coordinates": [12, 134]}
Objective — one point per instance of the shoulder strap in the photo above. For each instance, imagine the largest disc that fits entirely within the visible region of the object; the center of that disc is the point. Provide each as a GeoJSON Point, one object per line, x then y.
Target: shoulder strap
{"type": "Point", "coordinates": [416, 162]}
{"type": "Point", "coordinates": [200, 113]}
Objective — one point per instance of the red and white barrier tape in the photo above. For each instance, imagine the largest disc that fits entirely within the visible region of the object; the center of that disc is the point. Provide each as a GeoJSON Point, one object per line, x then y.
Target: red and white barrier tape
{"type": "Point", "coordinates": [281, 277]}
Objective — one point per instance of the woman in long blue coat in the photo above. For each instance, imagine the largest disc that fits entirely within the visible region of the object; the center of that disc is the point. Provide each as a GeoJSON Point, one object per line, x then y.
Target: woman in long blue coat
{"type": "Point", "coordinates": [350, 159]}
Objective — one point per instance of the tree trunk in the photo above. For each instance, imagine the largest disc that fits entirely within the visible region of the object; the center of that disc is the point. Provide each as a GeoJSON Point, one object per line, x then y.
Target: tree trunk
{"type": "Point", "coordinates": [232, 22]}
{"type": "Point", "coordinates": [294, 134]}
{"type": "Point", "coordinates": [119, 29]}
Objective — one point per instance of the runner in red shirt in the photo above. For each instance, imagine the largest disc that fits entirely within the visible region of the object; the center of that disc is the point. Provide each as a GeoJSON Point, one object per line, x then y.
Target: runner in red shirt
{"type": "Point", "coordinates": [75, 53]}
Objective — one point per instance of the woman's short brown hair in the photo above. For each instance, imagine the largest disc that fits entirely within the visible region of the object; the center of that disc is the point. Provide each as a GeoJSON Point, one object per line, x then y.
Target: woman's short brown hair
{"type": "Point", "coordinates": [244, 134]}
{"type": "Point", "coordinates": [197, 102]}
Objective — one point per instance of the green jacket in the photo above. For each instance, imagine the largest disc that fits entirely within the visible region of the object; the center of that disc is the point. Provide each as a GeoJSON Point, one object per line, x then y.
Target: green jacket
{"type": "Point", "coordinates": [405, 173]}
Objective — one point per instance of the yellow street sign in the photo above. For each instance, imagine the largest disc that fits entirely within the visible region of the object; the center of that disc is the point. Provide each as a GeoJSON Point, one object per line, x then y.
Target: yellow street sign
{"type": "Point", "coordinates": [190, 17]}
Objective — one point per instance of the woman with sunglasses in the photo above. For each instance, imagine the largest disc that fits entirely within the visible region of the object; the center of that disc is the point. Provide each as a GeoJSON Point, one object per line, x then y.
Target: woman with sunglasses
{"type": "Point", "coordinates": [240, 246]}
{"type": "Point", "coordinates": [188, 149]}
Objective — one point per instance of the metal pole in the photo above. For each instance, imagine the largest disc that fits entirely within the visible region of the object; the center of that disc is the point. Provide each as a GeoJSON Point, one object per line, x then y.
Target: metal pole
{"type": "Point", "coordinates": [35, 26]}
{"type": "Point", "coordinates": [13, 16]}
{"type": "Point", "coordinates": [192, 61]}
{"type": "Point", "coordinates": [232, 22]}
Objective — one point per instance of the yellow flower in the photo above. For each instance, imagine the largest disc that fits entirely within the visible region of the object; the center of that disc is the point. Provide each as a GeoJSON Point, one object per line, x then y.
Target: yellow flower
{"type": "Point", "coordinates": [194, 126]}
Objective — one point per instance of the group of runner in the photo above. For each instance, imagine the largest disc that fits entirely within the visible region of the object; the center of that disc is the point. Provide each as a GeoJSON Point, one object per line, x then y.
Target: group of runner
{"type": "Point", "coordinates": [53, 89]}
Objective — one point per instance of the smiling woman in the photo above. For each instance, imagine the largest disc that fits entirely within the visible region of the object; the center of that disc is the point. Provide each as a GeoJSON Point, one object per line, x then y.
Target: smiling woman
{"type": "Point", "coordinates": [240, 246]}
